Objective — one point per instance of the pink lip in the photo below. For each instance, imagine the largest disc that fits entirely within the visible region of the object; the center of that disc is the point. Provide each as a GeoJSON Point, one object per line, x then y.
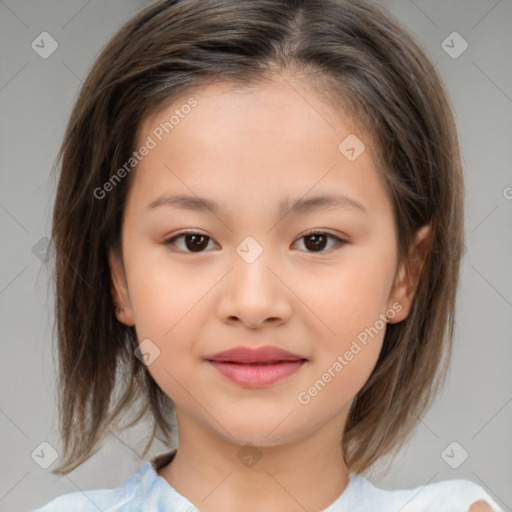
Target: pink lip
{"type": "Point", "coordinates": [256, 367]}
{"type": "Point", "coordinates": [265, 354]}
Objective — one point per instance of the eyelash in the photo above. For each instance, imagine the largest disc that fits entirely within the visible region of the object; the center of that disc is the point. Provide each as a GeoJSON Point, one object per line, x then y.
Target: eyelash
{"type": "Point", "coordinates": [339, 241]}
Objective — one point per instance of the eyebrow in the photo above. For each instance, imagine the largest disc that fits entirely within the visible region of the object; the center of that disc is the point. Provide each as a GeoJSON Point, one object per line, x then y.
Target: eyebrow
{"type": "Point", "coordinates": [299, 206]}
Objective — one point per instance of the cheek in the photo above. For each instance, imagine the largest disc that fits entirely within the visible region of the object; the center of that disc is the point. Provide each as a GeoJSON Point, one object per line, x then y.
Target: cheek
{"type": "Point", "coordinates": [343, 364]}
{"type": "Point", "coordinates": [347, 299]}
{"type": "Point", "coordinates": [340, 380]}
{"type": "Point", "coordinates": [351, 303]}
{"type": "Point", "coordinates": [169, 310]}
{"type": "Point", "coordinates": [164, 297]}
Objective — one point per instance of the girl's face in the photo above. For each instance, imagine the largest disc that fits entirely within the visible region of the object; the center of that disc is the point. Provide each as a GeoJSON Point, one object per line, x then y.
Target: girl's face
{"type": "Point", "coordinates": [247, 166]}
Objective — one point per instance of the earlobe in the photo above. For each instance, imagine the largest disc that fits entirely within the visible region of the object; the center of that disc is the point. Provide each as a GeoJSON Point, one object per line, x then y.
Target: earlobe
{"type": "Point", "coordinates": [119, 290]}
{"type": "Point", "coordinates": [408, 277]}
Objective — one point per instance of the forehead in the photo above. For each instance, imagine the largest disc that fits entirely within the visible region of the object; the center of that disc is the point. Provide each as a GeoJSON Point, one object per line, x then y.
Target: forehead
{"type": "Point", "coordinates": [273, 104]}
{"type": "Point", "coordinates": [280, 135]}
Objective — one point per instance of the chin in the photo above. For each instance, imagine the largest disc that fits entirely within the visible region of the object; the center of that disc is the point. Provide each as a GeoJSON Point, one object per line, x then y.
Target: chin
{"type": "Point", "coordinates": [264, 433]}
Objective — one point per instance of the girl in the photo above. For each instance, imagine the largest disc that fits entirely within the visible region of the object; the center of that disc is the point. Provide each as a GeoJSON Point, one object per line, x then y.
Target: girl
{"type": "Point", "coordinates": [274, 192]}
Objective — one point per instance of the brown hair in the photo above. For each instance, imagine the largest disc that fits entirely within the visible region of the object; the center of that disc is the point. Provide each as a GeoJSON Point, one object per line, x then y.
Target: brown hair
{"type": "Point", "coordinates": [361, 59]}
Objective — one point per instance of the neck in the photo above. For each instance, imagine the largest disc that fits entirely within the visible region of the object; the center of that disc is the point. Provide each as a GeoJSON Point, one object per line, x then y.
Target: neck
{"type": "Point", "coordinates": [216, 474]}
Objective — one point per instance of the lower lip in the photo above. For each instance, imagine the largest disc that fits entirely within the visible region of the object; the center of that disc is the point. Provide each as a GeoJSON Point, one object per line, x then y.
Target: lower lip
{"type": "Point", "coordinates": [255, 376]}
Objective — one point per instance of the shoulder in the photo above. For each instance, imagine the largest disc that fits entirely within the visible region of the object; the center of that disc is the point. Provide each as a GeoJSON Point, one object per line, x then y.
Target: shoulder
{"type": "Point", "coordinates": [125, 498]}
{"type": "Point", "coordinates": [456, 495]}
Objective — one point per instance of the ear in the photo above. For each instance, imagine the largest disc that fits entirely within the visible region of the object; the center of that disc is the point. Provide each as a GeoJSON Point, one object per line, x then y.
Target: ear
{"type": "Point", "coordinates": [119, 290]}
{"type": "Point", "coordinates": [408, 276]}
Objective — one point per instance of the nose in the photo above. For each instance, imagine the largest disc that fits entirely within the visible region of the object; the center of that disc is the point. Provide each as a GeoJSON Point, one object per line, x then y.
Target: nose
{"type": "Point", "coordinates": [255, 293]}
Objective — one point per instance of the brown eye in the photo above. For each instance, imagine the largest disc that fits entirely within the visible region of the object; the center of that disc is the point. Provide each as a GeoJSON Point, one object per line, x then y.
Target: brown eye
{"type": "Point", "coordinates": [193, 242]}
{"type": "Point", "coordinates": [316, 241]}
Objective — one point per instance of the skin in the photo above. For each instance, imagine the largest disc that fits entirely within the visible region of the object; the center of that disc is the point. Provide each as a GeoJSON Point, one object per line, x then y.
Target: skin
{"type": "Point", "coordinates": [248, 150]}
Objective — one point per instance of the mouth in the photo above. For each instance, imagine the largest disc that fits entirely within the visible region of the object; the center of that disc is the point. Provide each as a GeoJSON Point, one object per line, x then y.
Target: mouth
{"type": "Point", "coordinates": [256, 367]}
{"type": "Point", "coordinates": [262, 354]}
{"type": "Point", "coordinates": [257, 375]}
{"type": "Point", "coordinates": [268, 363]}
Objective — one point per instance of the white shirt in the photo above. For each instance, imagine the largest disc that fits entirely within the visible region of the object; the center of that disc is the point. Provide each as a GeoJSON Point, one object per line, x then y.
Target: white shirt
{"type": "Point", "coordinates": [146, 491]}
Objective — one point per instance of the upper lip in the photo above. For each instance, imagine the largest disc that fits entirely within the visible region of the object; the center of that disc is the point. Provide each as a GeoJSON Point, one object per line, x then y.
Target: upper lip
{"type": "Point", "coordinates": [263, 354]}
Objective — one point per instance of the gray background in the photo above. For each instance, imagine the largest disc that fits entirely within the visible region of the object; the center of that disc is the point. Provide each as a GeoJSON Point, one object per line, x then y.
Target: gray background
{"type": "Point", "coordinates": [36, 96]}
